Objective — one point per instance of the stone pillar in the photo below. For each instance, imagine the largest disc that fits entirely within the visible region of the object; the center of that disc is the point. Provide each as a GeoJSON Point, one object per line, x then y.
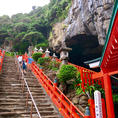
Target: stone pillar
{"type": "Point", "coordinates": [64, 56]}
{"type": "Point", "coordinates": [40, 50]}
{"type": "Point", "coordinates": [53, 57]}
{"type": "Point", "coordinates": [64, 53]}
{"type": "Point", "coordinates": [30, 51]}
{"type": "Point", "coordinates": [35, 50]}
{"type": "Point", "coordinates": [47, 52]}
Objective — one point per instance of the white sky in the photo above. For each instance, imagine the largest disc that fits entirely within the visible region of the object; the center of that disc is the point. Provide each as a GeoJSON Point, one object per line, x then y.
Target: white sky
{"type": "Point", "coordinates": [10, 7]}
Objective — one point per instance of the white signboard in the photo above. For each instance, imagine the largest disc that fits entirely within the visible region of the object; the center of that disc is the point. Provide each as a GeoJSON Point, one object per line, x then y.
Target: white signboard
{"type": "Point", "coordinates": [94, 65]}
{"type": "Point", "coordinates": [98, 104]}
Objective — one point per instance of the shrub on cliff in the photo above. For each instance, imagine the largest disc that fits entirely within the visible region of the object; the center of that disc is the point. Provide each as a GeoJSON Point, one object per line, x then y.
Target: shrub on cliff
{"type": "Point", "coordinates": [67, 72]}
{"type": "Point", "coordinates": [43, 60]}
{"type": "Point", "coordinates": [36, 55]}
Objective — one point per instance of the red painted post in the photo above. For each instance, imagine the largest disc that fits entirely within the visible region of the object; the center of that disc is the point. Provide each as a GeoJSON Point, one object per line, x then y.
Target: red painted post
{"type": "Point", "coordinates": [92, 80]}
{"type": "Point", "coordinates": [87, 116]}
{"type": "Point", "coordinates": [108, 97]}
{"type": "Point", "coordinates": [102, 82]}
{"type": "Point", "coordinates": [92, 107]}
{"type": "Point", "coordinates": [72, 110]}
{"type": "Point", "coordinates": [103, 108]}
{"type": "Point", "coordinates": [89, 78]}
{"type": "Point", "coordinates": [85, 78]}
{"type": "Point", "coordinates": [61, 104]}
{"type": "Point", "coordinates": [0, 52]}
{"type": "Point", "coordinates": [82, 84]}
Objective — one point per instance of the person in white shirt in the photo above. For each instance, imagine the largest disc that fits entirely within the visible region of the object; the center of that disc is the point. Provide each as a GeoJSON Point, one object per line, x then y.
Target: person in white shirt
{"type": "Point", "coordinates": [20, 59]}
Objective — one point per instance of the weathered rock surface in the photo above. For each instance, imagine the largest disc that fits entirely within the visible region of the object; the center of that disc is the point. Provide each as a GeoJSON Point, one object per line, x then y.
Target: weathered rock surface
{"type": "Point", "coordinates": [57, 37]}
{"type": "Point", "coordinates": [89, 17]}
{"type": "Point", "coordinates": [81, 101]}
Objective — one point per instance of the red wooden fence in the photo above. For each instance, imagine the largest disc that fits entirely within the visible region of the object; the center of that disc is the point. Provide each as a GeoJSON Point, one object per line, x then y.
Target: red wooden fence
{"type": "Point", "coordinates": [2, 53]}
{"type": "Point", "coordinates": [65, 106]}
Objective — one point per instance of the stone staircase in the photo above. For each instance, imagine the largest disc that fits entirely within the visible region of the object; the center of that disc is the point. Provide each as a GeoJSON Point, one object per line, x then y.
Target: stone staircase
{"type": "Point", "coordinates": [13, 99]}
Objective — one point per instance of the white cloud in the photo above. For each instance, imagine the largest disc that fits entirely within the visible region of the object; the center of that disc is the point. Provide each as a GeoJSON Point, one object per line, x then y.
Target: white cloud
{"type": "Point", "coordinates": [10, 7]}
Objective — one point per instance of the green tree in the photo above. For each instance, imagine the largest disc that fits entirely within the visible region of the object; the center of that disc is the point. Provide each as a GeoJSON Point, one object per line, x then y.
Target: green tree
{"type": "Point", "coordinates": [67, 72]}
{"type": "Point", "coordinates": [34, 38]}
{"type": "Point", "coordinates": [43, 45]}
{"type": "Point", "coordinates": [32, 28]}
{"type": "Point", "coordinates": [20, 27]}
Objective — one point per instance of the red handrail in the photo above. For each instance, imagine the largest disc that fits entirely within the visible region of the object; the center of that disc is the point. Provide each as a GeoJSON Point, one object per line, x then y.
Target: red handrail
{"type": "Point", "coordinates": [65, 106]}
{"type": "Point", "coordinates": [86, 76]}
{"type": "Point", "coordinates": [2, 53]}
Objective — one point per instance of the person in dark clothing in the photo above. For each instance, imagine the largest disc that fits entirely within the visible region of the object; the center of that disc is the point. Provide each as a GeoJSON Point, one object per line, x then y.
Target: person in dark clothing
{"type": "Point", "coordinates": [24, 67]}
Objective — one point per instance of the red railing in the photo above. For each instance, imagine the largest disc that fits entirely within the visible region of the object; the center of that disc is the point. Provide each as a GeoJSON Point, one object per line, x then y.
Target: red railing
{"type": "Point", "coordinates": [2, 53]}
{"type": "Point", "coordinates": [25, 57]}
{"type": "Point", "coordinates": [65, 106]}
{"type": "Point", "coordinates": [86, 76]}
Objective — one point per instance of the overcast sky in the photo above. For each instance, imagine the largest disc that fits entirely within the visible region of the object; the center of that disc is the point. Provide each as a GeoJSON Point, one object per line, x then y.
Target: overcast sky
{"type": "Point", "coordinates": [10, 7]}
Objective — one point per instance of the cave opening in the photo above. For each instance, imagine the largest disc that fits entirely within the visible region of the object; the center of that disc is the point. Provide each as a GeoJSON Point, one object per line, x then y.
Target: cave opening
{"type": "Point", "coordinates": [84, 48]}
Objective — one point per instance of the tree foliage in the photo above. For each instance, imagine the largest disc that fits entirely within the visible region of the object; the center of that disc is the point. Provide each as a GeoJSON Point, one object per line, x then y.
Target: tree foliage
{"type": "Point", "coordinates": [36, 56]}
{"type": "Point", "coordinates": [67, 72]}
{"type": "Point", "coordinates": [43, 45]}
{"type": "Point", "coordinates": [34, 38]}
{"type": "Point", "coordinates": [43, 60]}
{"type": "Point", "coordinates": [32, 28]}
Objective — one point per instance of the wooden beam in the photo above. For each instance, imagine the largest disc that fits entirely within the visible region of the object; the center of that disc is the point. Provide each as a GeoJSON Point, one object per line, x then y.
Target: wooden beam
{"type": "Point", "coordinates": [100, 74]}
{"type": "Point", "coordinates": [97, 75]}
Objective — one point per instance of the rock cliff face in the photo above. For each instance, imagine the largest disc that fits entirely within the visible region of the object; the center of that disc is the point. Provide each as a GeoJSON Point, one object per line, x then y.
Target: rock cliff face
{"type": "Point", "coordinates": [57, 36]}
{"type": "Point", "coordinates": [85, 27]}
{"type": "Point", "coordinates": [89, 17]}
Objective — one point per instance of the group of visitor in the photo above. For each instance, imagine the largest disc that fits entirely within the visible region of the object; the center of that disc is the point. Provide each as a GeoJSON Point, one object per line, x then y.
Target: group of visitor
{"type": "Point", "coordinates": [23, 64]}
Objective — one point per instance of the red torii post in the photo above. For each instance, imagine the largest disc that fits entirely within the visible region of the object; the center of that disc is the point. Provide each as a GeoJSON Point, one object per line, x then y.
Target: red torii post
{"type": "Point", "coordinates": [108, 96]}
{"type": "Point", "coordinates": [108, 91]}
{"type": "Point", "coordinates": [109, 62]}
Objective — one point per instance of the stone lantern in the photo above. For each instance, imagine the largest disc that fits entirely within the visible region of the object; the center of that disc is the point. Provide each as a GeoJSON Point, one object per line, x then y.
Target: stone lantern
{"type": "Point", "coordinates": [64, 53]}
{"type": "Point", "coordinates": [47, 52]}
{"type": "Point", "coordinates": [40, 50]}
{"type": "Point", "coordinates": [53, 57]}
{"type": "Point", "coordinates": [30, 50]}
{"type": "Point", "coordinates": [35, 50]}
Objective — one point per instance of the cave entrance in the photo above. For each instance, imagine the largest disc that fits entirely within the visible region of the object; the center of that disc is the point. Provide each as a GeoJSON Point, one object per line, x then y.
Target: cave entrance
{"type": "Point", "coordinates": [84, 48]}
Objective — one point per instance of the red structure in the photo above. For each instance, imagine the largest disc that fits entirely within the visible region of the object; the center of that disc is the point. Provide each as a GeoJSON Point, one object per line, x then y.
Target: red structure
{"type": "Point", "coordinates": [109, 61]}
{"type": "Point", "coordinates": [2, 53]}
{"type": "Point", "coordinates": [65, 106]}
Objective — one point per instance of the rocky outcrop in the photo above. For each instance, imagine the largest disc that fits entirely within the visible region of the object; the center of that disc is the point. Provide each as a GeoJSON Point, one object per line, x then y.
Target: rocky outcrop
{"type": "Point", "coordinates": [86, 17]}
{"type": "Point", "coordinates": [7, 45]}
{"type": "Point", "coordinates": [57, 35]}
{"type": "Point", "coordinates": [81, 101]}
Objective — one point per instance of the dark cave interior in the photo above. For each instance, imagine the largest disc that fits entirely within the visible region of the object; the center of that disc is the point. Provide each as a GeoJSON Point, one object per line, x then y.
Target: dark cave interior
{"type": "Point", "coordinates": [84, 48]}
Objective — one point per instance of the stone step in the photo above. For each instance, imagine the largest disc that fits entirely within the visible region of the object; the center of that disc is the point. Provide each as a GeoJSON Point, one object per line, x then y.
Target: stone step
{"type": "Point", "coordinates": [14, 108]}
{"type": "Point", "coordinates": [15, 84]}
{"type": "Point", "coordinates": [22, 100]}
{"type": "Point", "coordinates": [15, 113]}
{"type": "Point", "coordinates": [4, 109]}
{"type": "Point", "coordinates": [7, 103]}
{"type": "Point", "coordinates": [51, 116]}
{"type": "Point", "coordinates": [25, 96]}
{"type": "Point", "coordinates": [25, 91]}
{"type": "Point", "coordinates": [18, 86]}
{"type": "Point", "coordinates": [25, 114]}
{"type": "Point", "coordinates": [15, 93]}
